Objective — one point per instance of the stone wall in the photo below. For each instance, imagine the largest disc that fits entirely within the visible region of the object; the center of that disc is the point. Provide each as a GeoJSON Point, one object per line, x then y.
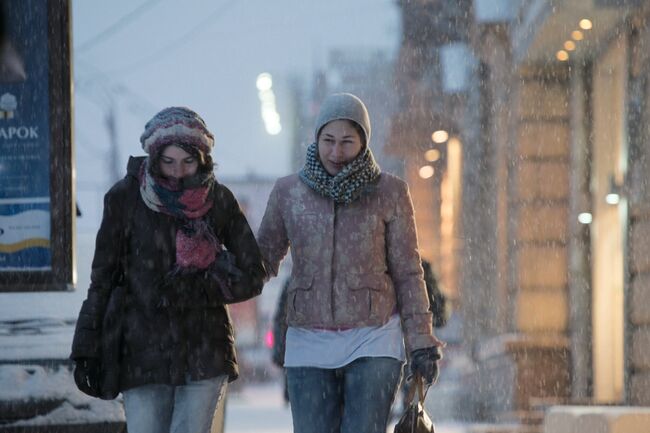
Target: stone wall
{"type": "Point", "coordinates": [638, 184]}
{"type": "Point", "coordinates": [539, 204]}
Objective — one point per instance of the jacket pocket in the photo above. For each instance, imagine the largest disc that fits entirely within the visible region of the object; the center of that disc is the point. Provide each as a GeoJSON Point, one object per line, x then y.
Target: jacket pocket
{"type": "Point", "coordinates": [369, 295]}
{"type": "Point", "coordinates": [301, 297]}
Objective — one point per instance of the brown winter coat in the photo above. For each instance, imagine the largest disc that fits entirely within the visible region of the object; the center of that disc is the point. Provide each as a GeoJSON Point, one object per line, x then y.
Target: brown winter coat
{"type": "Point", "coordinates": [353, 265]}
{"type": "Point", "coordinates": [169, 333]}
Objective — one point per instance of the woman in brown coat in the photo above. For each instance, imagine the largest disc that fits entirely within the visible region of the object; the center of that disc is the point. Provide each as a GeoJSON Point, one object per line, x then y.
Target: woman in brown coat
{"type": "Point", "coordinates": [177, 244]}
{"type": "Point", "coordinates": [356, 299]}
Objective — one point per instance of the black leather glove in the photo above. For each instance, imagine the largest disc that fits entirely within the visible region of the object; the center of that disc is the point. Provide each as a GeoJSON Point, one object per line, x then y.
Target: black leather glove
{"type": "Point", "coordinates": [87, 373]}
{"type": "Point", "coordinates": [425, 362]}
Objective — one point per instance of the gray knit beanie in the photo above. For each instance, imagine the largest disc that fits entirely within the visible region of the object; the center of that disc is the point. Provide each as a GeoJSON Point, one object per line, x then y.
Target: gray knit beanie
{"type": "Point", "coordinates": [343, 106]}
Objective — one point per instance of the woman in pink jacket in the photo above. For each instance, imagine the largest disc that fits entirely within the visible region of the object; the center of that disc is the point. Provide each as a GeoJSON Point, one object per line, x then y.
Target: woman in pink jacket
{"type": "Point", "coordinates": [356, 302]}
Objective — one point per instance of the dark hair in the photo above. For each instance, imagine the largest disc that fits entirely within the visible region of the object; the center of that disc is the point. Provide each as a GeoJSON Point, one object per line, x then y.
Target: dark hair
{"type": "Point", "coordinates": [206, 165]}
{"type": "Point", "coordinates": [355, 125]}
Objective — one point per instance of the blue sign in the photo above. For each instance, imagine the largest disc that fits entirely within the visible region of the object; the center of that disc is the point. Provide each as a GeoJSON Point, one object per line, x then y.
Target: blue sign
{"type": "Point", "coordinates": [25, 139]}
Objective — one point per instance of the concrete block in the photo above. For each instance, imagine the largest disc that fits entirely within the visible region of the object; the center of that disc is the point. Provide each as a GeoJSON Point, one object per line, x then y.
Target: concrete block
{"type": "Point", "coordinates": [542, 266]}
{"type": "Point", "coordinates": [542, 180]}
{"type": "Point", "coordinates": [597, 419]}
{"type": "Point", "coordinates": [563, 419]}
{"type": "Point", "coordinates": [514, 368]}
{"type": "Point", "coordinates": [542, 223]}
{"type": "Point", "coordinates": [616, 420]}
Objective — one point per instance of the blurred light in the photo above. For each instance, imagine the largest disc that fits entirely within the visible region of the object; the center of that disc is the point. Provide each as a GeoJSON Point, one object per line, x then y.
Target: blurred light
{"type": "Point", "coordinates": [264, 81]}
{"type": "Point", "coordinates": [562, 56]}
{"type": "Point", "coordinates": [569, 45]}
{"type": "Point", "coordinates": [585, 218]}
{"type": "Point", "coordinates": [453, 141]}
{"type": "Point", "coordinates": [612, 198]}
{"type": "Point", "coordinates": [426, 171]}
{"type": "Point", "coordinates": [270, 115]}
{"type": "Point", "coordinates": [268, 339]}
{"type": "Point", "coordinates": [577, 35]}
{"type": "Point", "coordinates": [432, 155]}
{"type": "Point", "coordinates": [440, 136]}
{"type": "Point", "coordinates": [274, 129]}
{"type": "Point", "coordinates": [585, 24]}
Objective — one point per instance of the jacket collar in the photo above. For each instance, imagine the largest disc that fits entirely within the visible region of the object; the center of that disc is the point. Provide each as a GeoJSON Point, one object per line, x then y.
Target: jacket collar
{"type": "Point", "coordinates": [133, 166]}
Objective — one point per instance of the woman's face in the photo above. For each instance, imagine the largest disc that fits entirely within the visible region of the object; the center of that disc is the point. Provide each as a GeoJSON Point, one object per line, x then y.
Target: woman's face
{"type": "Point", "coordinates": [176, 163]}
{"type": "Point", "coordinates": [338, 144]}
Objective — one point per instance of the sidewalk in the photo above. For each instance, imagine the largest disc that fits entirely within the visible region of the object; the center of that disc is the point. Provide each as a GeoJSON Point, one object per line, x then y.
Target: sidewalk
{"type": "Point", "coordinates": [259, 409]}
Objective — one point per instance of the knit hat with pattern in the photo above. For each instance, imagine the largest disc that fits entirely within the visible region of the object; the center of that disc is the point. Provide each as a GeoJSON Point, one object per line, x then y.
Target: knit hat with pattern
{"type": "Point", "coordinates": [176, 125]}
{"type": "Point", "coordinates": [343, 106]}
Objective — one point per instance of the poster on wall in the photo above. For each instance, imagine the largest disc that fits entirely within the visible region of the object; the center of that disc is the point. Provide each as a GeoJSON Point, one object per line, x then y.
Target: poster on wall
{"type": "Point", "coordinates": [25, 212]}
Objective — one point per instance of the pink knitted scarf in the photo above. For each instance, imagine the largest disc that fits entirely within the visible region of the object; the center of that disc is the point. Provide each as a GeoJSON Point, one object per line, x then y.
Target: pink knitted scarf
{"type": "Point", "coordinates": [197, 246]}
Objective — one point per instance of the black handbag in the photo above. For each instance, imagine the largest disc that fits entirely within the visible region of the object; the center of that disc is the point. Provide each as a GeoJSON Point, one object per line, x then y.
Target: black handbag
{"type": "Point", "coordinates": [415, 419]}
{"type": "Point", "coordinates": [111, 344]}
{"type": "Point", "coordinates": [100, 377]}
{"type": "Point", "coordinates": [104, 382]}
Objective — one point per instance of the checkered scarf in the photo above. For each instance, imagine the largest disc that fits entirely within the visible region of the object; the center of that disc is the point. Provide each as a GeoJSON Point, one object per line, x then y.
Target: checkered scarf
{"type": "Point", "coordinates": [348, 184]}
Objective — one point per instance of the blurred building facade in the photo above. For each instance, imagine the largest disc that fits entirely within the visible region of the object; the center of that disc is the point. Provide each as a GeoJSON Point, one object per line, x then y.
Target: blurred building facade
{"type": "Point", "coordinates": [550, 222]}
{"type": "Point", "coordinates": [431, 169]}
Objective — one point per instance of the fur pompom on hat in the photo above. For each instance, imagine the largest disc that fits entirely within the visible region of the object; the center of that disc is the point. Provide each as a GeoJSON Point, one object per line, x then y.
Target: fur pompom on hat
{"type": "Point", "coordinates": [179, 126]}
{"type": "Point", "coordinates": [346, 106]}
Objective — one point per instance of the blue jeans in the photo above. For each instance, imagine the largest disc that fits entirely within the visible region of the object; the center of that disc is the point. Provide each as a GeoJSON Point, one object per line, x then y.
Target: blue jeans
{"type": "Point", "coordinates": [160, 408]}
{"type": "Point", "coordinates": [355, 398]}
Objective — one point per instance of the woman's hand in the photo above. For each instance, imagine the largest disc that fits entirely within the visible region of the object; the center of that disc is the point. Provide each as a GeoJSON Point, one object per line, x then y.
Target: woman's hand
{"type": "Point", "coordinates": [425, 362]}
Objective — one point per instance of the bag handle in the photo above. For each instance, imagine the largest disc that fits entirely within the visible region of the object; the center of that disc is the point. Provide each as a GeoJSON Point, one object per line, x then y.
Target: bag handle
{"type": "Point", "coordinates": [419, 384]}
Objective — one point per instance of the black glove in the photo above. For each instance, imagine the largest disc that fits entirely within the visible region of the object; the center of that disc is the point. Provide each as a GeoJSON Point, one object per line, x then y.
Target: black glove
{"type": "Point", "coordinates": [87, 373]}
{"type": "Point", "coordinates": [425, 362]}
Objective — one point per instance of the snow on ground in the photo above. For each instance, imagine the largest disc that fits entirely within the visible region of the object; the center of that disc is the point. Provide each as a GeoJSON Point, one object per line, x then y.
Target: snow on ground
{"type": "Point", "coordinates": [35, 339]}
{"type": "Point", "coordinates": [259, 408]}
{"type": "Point", "coordinates": [21, 384]}
{"type": "Point", "coordinates": [92, 412]}
{"type": "Point", "coordinates": [255, 407]}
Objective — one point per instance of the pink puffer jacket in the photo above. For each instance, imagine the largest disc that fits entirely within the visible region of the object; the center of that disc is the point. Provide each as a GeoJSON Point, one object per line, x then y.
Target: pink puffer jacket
{"type": "Point", "coordinates": [353, 265]}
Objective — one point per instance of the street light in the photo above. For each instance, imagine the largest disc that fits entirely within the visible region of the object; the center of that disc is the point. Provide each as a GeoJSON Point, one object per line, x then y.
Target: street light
{"type": "Point", "coordinates": [264, 82]}
{"type": "Point", "coordinates": [432, 155]}
{"type": "Point", "coordinates": [585, 24]}
{"type": "Point", "coordinates": [270, 114]}
{"type": "Point", "coordinates": [426, 171]}
{"type": "Point", "coordinates": [562, 56]}
{"type": "Point", "coordinates": [613, 196]}
{"type": "Point", "coordinates": [585, 218]}
{"type": "Point", "coordinates": [440, 136]}
{"type": "Point", "coordinates": [569, 45]}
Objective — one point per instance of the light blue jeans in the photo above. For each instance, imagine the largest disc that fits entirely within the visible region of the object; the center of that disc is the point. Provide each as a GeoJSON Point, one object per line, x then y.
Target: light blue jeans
{"type": "Point", "coordinates": [355, 398]}
{"type": "Point", "coordinates": [160, 408]}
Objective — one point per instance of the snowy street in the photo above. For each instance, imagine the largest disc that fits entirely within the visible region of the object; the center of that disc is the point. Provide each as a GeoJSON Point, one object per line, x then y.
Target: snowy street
{"type": "Point", "coordinates": [259, 408]}
{"type": "Point", "coordinates": [193, 191]}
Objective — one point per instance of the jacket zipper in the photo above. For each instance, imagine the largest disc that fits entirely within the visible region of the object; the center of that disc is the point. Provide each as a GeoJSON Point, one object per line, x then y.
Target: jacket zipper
{"type": "Point", "coordinates": [332, 262]}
